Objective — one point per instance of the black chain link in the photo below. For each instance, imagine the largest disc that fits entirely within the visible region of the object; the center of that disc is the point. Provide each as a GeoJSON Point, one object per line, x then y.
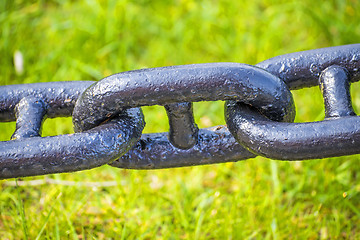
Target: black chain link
{"type": "Point", "coordinates": [259, 113]}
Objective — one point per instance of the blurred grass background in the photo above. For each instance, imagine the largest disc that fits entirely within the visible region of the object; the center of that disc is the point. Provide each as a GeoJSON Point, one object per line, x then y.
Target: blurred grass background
{"type": "Point", "coordinates": [255, 199]}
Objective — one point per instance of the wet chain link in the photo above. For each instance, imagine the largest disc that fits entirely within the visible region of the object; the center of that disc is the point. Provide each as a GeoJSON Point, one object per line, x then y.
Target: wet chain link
{"type": "Point", "coordinates": [259, 112]}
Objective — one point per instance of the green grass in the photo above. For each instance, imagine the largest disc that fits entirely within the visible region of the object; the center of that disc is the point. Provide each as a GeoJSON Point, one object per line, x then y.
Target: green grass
{"type": "Point", "coordinates": [254, 199]}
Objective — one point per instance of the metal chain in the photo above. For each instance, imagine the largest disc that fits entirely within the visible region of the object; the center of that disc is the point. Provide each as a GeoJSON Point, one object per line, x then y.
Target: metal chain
{"type": "Point", "coordinates": [259, 113]}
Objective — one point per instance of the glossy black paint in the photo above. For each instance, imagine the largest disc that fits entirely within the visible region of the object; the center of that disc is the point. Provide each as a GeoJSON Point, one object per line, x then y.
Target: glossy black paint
{"type": "Point", "coordinates": [302, 69]}
{"type": "Point", "coordinates": [338, 135]}
{"type": "Point", "coordinates": [188, 83]}
{"type": "Point", "coordinates": [293, 141]}
{"type": "Point", "coordinates": [154, 151]}
{"type": "Point", "coordinates": [335, 87]}
{"type": "Point", "coordinates": [183, 132]}
{"type": "Point", "coordinates": [58, 97]}
{"type": "Point", "coordinates": [72, 152]}
{"type": "Point", "coordinates": [253, 93]}
{"type": "Point", "coordinates": [27, 154]}
{"type": "Point", "coordinates": [29, 117]}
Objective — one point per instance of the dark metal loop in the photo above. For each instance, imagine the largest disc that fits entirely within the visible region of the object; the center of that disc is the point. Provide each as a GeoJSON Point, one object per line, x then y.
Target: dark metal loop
{"type": "Point", "coordinates": [72, 152]}
{"type": "Point", "coordinates": [293, 141]}
{"type": "Point", "coordinates": [30, 155]}
{"type": "Point", "coordinates": [339, 135]}
{"type": "Point", "coordinates": [59, 97]}
{"type": "Point", "coordinates": [333, 68]}
{"type": "Point", "coordinates": [188, 83]}
{"type": "Point", "coordinates": [302, 69]}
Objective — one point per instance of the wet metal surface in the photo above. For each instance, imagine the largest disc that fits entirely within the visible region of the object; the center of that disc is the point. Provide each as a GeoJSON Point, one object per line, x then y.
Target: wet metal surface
{"type": "Point", "coordinates": [72, 152]}
{"type": "Point", "coordinates": [29, 117]}
{"type": "Point", "coordinates": [183, 132]}
{"type": "Point", "coordinates": [293, 141]}
{"type": "Point", "coordinates": [302, 69]}
{"type": "Point", "coordinates": [28, 154]}
{"type": "Point", "coordinates": [154, 151]}
{"type": "Point", "coordinates": [58, 97]}
{"type": "Point", "coordinates": [187, 83]}
{"type": "Point", "coordinates": [338, 135]}
{"type": "Point", "coordinates": [259, 111]}
{"type": "Point", "coordinates": [335, 87]}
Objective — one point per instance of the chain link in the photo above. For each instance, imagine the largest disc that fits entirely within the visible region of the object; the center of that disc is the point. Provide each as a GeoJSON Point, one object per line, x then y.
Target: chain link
{"type": "Point", "coordinates": [259, 113]}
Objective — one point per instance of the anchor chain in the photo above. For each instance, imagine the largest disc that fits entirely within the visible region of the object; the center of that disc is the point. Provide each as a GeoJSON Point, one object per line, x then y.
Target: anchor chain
{"type": "Point", "coordinates": [259, 112]}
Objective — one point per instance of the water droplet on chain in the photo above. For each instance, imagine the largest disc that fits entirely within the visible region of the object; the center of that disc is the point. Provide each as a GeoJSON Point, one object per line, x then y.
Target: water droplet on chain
{"type": "Point", "coordinates": [282, 69]}
{"type": "Point", "coordinates": [315, 69]}
{"type": "Point", "coordinates": [355, 58]}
